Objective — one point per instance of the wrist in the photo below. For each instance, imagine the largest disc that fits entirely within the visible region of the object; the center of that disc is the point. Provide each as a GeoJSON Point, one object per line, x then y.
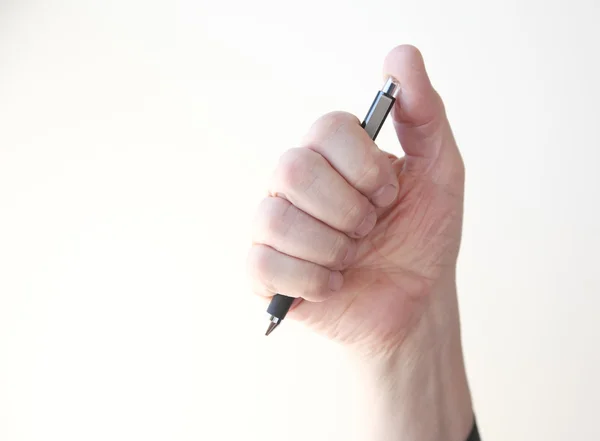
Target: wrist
{"type": "Point", "coordinates": [419, 392]}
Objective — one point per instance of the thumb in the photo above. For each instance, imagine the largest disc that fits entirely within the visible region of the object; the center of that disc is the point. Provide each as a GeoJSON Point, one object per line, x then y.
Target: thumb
{"type": "Point", "coordinates": [420, 118]}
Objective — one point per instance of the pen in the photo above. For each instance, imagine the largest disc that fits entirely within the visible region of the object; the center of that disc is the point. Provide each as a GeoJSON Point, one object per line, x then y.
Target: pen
{"type": "Point", "coordinates": [382, 104]}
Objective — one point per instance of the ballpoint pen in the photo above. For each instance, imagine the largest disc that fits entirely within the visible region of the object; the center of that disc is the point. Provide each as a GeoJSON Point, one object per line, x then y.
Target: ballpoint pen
{"type": "Point", "coordinates": [382, 104]}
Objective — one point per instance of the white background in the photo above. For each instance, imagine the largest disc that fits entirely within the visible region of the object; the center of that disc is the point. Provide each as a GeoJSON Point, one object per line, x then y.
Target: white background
{"type": "Point", "coordinates": [136, 138]}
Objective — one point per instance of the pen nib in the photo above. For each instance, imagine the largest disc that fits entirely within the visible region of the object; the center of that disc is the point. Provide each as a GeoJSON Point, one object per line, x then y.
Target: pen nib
{"type": "Point", "coordinates": [271, 327]}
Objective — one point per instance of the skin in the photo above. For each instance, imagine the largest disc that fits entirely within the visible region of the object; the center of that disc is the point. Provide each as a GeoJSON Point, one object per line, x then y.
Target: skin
{"type": "Point", "coordinates": [368, 243]}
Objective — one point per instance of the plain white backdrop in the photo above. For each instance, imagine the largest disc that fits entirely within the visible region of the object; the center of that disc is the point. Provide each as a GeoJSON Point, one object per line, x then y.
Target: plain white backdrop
{"type": "Point", "coordinates": [136, 138]}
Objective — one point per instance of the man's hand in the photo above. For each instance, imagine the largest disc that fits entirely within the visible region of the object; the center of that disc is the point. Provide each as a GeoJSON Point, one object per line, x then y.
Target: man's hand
{"type": "Point", "coordinates": [368, 243]}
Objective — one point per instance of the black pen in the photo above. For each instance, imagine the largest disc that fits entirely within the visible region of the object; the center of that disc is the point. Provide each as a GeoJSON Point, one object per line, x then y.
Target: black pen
{"type": "Point", "coordinates": [383, 103]}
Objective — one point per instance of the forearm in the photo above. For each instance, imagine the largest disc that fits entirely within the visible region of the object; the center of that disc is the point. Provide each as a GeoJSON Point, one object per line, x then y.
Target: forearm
{"type": "Point", "coordinates": [420, 393]}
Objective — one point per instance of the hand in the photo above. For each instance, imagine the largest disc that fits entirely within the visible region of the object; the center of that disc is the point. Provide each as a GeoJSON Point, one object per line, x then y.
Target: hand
{"type": "Point", "coordinates": [366, 238]}
{"type": "Point", "coordinates": [368, 243]}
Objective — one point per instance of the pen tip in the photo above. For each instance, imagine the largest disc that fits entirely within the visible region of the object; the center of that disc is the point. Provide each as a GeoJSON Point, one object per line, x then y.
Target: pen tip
{"type": "Point", "coordinates": [271, 327]}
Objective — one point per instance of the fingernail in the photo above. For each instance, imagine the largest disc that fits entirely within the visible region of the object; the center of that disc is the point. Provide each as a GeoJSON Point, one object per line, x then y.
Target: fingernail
{"type": "Point", "coordinates": [335, 280]}
{"type": "Point", "coordinates": [384, 196]}
{"type": "Point", "coordinates": [367, 225]}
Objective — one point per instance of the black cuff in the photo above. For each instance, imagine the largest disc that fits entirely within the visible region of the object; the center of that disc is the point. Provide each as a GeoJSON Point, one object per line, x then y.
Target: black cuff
{"type": "Point", "coordinates": [474, 435]}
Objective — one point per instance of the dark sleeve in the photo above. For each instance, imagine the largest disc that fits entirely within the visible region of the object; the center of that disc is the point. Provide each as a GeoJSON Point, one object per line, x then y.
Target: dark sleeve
{"type": "Point", "coordinates": [474, 435]}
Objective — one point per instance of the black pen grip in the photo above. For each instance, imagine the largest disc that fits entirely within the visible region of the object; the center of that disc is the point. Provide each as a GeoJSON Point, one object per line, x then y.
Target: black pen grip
{"type": "Point", "coordinates": [279, 306]}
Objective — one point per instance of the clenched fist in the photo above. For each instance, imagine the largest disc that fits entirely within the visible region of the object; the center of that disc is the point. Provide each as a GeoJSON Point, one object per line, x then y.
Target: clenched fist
{"type": "Point", "coordinates": [364, 239]}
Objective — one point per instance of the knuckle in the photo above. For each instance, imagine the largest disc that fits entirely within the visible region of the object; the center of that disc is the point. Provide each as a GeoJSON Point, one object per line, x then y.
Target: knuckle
{"type": "Point", "coordinates": [296, 168]}
{"type": "Point", "coordinates": [457, 181]}
{"type": "Point", "coordinates": [460, 169]}
{"type": "Point", "coordinates": [260, 264]}
{"type": "Point", "coordinates": [371, 176]}
{"type": "Point", "coordinates": [331, 123]}
{"type": "Point", "coordinates": [273, 219]}
{"type": "Point", "coordinates": [336, 119]}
